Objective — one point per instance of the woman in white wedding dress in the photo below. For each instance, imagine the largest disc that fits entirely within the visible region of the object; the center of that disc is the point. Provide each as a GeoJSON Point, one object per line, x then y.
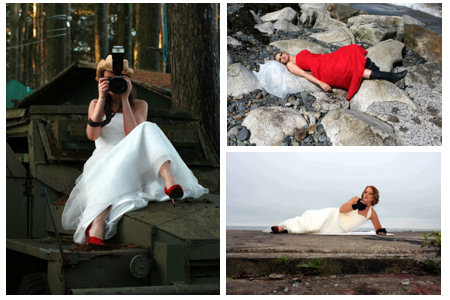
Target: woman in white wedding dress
{"type": "Point", "coordinates": [348, 217]}
{"type": "Point", "coordinates": [133, 162]}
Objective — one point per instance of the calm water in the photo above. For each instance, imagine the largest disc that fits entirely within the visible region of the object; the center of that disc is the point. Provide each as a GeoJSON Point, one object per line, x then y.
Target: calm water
{"type": "Point", "coordinates": [431, 21]}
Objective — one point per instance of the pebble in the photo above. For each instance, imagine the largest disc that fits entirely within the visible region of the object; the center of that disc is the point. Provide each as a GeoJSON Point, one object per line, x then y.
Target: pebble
{"type": "Point", "coordinates": [276, 276]}
{"type": "Point", "coordinates": [243, 134]}
{"type": "Point", "coordinates": [405, 282]}
{"type": "Point", "coordinates": [286, 289]}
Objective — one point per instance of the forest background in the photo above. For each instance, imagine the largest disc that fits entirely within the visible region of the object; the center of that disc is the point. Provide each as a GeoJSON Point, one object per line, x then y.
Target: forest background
{"type": "Point", "coordinates": [42, 39]}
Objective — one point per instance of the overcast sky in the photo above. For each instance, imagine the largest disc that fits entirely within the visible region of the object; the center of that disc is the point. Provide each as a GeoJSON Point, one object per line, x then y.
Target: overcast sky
{"type": "Point", "coordinates": [264, 189]}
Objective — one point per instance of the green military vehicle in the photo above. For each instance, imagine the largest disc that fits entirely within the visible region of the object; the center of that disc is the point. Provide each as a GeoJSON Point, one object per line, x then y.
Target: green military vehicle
{"type": "Point", "coordinates": [160, 249]}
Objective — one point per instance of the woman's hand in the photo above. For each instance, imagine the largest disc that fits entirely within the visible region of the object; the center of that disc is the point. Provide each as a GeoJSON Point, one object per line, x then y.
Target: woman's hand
{"type": "Point", "coordinates": [103, 87]}
{"type": "Point", "coordinates": [127, 92]}
{"type": "Point", "coordinates": [326, 87]}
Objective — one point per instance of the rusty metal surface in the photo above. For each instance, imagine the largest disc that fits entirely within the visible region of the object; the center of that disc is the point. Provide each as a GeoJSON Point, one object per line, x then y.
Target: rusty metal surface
{"type": "Point", "coordinates": [188, 220]}
{"type": "Point", "coordinates": [176, 289]}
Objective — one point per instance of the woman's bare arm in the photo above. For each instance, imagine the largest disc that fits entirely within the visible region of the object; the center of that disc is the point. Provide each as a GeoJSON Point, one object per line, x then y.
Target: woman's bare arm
{"type": "Point", "coordinates": [376, 222]}
{"type": "Point", "coordinates": [132, 117]}
{"type": "Point", "coordinates": [347, 206]}
{"type": "Point", "coordinates": [95, 114]}
{"type": "Point", "coordinates": [294, 69]}
{"type": "Point", "coordinates": [96, 107]}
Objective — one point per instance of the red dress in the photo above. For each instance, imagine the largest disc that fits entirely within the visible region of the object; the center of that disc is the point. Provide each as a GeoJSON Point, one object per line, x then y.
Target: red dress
{"type": "Point", "coordinates": [343, 68]}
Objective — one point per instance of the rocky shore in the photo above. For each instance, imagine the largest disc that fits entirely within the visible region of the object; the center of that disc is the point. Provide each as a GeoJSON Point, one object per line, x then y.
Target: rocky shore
{"type": "Point", "coordinates": [381, 113]}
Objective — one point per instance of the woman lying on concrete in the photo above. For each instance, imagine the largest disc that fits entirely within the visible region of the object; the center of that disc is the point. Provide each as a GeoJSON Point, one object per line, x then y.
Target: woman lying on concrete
{"type": "Point", "coordinates": [348, 217]}
{"type": "Point", "coordinates": [344, 68]}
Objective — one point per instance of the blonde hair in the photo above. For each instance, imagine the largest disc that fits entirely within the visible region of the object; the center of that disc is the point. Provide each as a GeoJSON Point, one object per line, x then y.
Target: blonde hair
{"type": "Point", "coordinates": [107, 65]}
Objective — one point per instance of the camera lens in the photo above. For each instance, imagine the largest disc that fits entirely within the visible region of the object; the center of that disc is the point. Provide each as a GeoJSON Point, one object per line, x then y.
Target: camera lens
{"type": "Point", "coordinates": [117, 85]}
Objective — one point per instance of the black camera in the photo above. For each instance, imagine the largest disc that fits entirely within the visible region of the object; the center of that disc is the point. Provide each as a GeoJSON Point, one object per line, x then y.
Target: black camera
{"type": "Point", "coordinates": [117, 84]}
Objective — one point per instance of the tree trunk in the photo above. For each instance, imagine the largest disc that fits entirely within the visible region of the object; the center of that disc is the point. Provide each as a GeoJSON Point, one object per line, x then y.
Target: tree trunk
{"type": "Point", "coordinates": [101, 31]}
{"type": "Point", "coordinates": [56, 38]}
{"type": "Point", "coordinates": [41, 36]}
{"type": "Point", "coordinates": [21, 40]}
{"type": "Point", "coordinates": [13, 63]}
{"type": "Point", "coordinates": [194, 59]}
{"type": "Point", "coordinates": [148, 28]}
{"type": "Point", "coordinates": [124, 28]}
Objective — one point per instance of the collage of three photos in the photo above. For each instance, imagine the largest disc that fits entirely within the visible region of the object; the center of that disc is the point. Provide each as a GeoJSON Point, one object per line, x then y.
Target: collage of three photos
{"type": "Point", "coordinates": [122, 177]}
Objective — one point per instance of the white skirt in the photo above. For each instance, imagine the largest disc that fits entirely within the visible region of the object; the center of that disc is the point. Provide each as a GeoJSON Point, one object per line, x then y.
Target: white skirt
{"type": "Point", "coordinates": [125, 176]}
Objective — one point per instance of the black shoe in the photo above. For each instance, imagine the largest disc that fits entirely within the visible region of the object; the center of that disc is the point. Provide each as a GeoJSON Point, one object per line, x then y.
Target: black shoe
{"type": "Point", "coordinates": [390, 76]}
{"type": "Point", "coordinates": [276, 229]}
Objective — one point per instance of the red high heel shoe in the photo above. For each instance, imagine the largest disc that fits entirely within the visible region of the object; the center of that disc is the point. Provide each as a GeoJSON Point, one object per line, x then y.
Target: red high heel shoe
{"type": "Point", "coordinates": [174, 192]}
{"type": "Point", "coordinates": [92, 240]}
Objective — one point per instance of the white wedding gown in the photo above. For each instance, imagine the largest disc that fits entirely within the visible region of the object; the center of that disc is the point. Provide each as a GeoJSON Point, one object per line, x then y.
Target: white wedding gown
{"type": "Point", "coordinates": [123, 173]}
{"type": "Point", "coordinates": [327, 220]}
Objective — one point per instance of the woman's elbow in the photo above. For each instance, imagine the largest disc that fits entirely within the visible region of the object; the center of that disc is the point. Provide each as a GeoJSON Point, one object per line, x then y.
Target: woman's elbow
{"type": "Point", "coordinates": [92, 136]}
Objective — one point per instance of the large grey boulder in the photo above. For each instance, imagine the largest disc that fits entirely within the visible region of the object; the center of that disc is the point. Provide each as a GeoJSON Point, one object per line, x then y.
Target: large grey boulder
{"type": "Point", "coordinates": [284, 25]}
{"type": "Point", "coordinates": [412, 21]}
{"type": "Point", "coordinates": [266, 27]}
{"type": "Point", "coordinates": [321, 7]}
{"type": "Point", "coordinates": [424, 85]}
{"type": "Point", "coordinates": [386, 53]}
{"type": "Point", "coordinates": [342, 12]}
{"type": "Point", "coordinates": [240, 80]}
{"type": "Point", "coordinates": [329, 101]}
{"type": "Point", "coordinates": [327, 23]}
{"type": "Point", "coordinates": [347, 128]}
{"type": "Point", "coordinates": [293, 47]}
{"type": "Point", "coordinates": [341, 36]}
{"type": "Point", "coordinates": [269, 125]}
{"type": "Point", "coordinates": [286, 13]}
{"type": "Point", "coordinates": [372, 91]}
{"type": "Point", "coordinates": [424, 41]}
{"type": "Point", "coordinates": [373, 29]}
{"type": "Point", "coordinates": [318, 17]}
{"type": "Point", "coordinates": [310, 12]}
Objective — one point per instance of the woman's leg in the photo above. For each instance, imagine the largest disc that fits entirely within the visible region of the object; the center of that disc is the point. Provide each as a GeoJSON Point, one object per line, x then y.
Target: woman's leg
{"type": "Point", "coordinates": [390, 76]}
{"type": "Point", "coordinates": [98, 225]}
{"type": "Point", "coordinates": [166, 174]}
{"type": "Point", "coordinates": [366, 74]}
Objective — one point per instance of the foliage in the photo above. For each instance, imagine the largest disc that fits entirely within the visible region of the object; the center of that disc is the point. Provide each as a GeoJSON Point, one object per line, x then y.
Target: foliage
{"type": "Point", "coordinates": [283, 259]}
{"type": "Point", "coordinates": [435, 243]}
{"type": "Point", "coordinates": [431, 266]}
{"type": "Point", "coordinates": [312, 267]}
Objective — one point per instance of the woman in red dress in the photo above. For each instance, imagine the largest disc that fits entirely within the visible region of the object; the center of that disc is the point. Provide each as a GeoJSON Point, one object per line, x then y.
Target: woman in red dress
{"type": "Point", "coordinates": [344, 68]}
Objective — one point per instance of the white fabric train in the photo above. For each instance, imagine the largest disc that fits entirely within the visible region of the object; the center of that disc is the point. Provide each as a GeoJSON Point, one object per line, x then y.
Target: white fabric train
{"type": "Point", "coordinates": [123, 173]}
{"type": "Point", "coordinates": [326, 220]}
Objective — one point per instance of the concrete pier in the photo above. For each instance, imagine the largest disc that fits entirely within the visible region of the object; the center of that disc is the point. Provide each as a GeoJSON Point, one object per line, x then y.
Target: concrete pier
{"type": "Point", "coordinates": [273, 258]}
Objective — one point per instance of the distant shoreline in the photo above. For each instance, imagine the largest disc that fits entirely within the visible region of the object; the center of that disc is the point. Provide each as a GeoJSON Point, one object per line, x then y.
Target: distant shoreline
{"type": "Point", "coordinates": [260, 228]}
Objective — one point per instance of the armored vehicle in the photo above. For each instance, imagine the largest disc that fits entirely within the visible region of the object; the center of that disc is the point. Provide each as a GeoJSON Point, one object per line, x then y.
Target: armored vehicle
{"type": "Point", "coordinates": [160, 249]}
